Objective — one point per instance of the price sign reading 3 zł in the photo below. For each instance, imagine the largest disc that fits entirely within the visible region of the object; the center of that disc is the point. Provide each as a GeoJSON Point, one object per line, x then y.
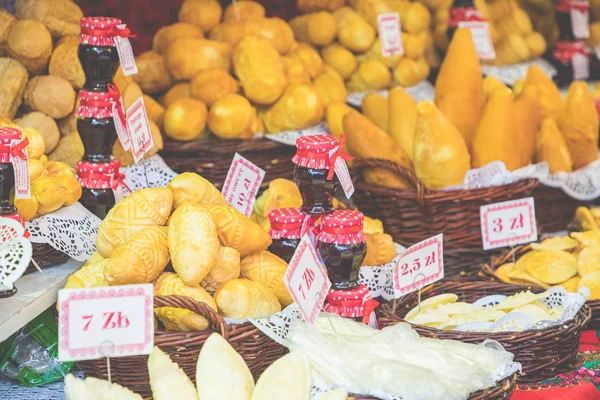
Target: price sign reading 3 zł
{"type": "Point", "coordinates": [421, 264]}
{"type": "Point", "coordinates": [307, 280]}
{"type": "Point", "coordinates": [508, 223]}
{"type": "Point", "coordinates": [101, 322]}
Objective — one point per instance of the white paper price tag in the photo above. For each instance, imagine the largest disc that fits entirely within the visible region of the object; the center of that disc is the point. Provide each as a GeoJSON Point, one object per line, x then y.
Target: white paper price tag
{"type": "Point", "coordinates": [121, 127]}
{"type": "Point", "coordinates": [390, 34]}
{"type": "Point", "coordinates": [581, 66]}
{"type": "Point", "coordinates": [480, 31]}
{"type": "Point", "coordinates": [421, 264]}
{"type": "Point", "coordinates": [241, 184]}
{"type": "Point", "coordinates": [125, 54]}
{"type": "Point", "coordinates": [290, 137]}
{"type": "Point", "coordinates": [307, 280]}
{"type": "Point", "coordinates": [20, 166]}
{"type": "Point", "coordinates": [508, 223]}
{"type": "Point", "coordinates": [580, 20]}
{"type": "Point", "coordinates": [139, 129]}
{"type": "Point", "coordinates": [115, 321]}
{"type": "Point", "coordinates": [343, 174]}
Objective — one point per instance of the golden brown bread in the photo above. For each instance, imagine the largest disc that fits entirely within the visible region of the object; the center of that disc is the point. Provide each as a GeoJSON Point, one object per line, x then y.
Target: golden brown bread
{"type": "Point", "coordinates": [242, 298]}
{"type": "Point", "coordinates": [269, 269]}
{"type": "Point", "coordinates": [380, 249]}
{"type": "Point", "coordinates": [191, 187]}
{"type": "Point", "coordinates": [228, 267]}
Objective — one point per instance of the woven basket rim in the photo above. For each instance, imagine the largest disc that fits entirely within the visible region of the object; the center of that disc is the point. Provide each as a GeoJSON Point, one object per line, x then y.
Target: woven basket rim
{"type": "Point", "coordinates": [214, 145]}
{"type": "Point", "coordinates": [580, 320]}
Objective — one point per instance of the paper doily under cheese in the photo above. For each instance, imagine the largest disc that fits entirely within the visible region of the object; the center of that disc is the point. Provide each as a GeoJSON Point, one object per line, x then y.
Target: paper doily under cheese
{"type": "Point", "coordinates": [150, 173]}
{"type": "Point", "coordinates": [379, 279]}
{"type": "Point", "coordinates": [511, 73]}
{"type": "Point", "coordinates": [71, 230]}
{"type": "Point", "coordinates": [421, 91]}
{"type": "Point", "coordinates": [290, 137]}
{"type": "Point", "coordinates": [15, 252]}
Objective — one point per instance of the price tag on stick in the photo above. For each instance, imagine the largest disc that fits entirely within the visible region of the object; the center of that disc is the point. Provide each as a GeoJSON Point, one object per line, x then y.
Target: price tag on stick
{"type": "Point", "coordinates": [125, 53]}
{"type": "Point", "coordinates": [390, 34]}
{"type": "Point", "coordinates": [89, 319]}
{"type": "Point", "coordinates": [307, 280]}
{"type": "Point", "coordinates": [139, 129]}
{"type": "Point", "coordinates": [241, 184]}
{"type": "Point", "coordinates": [480, 31]}
{"type": "Point", "coordinates": [425, 258]}
{"type": "Point", "coordinates": [508, 223]}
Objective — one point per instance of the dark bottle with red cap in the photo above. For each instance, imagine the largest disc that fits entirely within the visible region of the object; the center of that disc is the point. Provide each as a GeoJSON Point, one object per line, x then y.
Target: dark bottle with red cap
{"type": "Point", "coordinates": [313, 173]}
{"type": "Point", "coordinates": [285, 231]}
{"type": "Point", "coordinates": [570, 56]}
{"type": "Point", "coordinates": [462, 11]}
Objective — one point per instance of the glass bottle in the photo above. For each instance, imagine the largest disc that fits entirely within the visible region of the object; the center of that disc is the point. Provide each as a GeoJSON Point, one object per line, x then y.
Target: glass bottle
{"type": "Point", "coordinates": [461, 10]}
{"type": "Point", "coordinates": [286, 232]}
{"type": "Point", "coordinates": [97, 52]}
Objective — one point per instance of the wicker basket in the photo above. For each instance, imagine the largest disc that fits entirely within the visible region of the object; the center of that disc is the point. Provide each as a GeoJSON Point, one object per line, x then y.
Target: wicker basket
{"type": "Point", "coordinates": [413, 215]}
{"type": "Point", "coordinates": [488, 271]}
{"type": "Point", "coordinates": [212, 157]}
{"type": "Point", "coordinates": [543, 353]}
{"type": "Point", "coordinates": [554, 209]}
{"type": "Point", "coordinates": [45, 256]}
{"type": "Point", "coordinates": [258, 350]}
{"type": "Point", "coordinates": [502, 391]}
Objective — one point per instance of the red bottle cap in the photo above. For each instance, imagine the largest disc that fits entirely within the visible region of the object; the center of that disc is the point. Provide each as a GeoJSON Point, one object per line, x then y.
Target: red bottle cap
{"type": "Point", "coordinates": [96, 104]}
{"type": "Point", "coordinates": [286, 223]}
{"type": "Point", "coordinates": [99, 175]}
{"type": "Point", "coordinates": [7, 135]}
{"type": "Point", "coordinates": [313, 151]}
{"type": "Point", "coordinates": [343, 227]}
{"type": "Point", "coordinates": [568, 5]}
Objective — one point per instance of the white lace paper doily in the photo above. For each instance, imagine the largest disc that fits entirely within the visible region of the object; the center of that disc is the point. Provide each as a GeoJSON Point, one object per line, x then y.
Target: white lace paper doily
{"type": "Point", "coordinates": [421, 91]}
{"type": "Point", "coordinates": [380, 279]}
{"type": "Point", "coordinates": [150, 173]}
{"type": "Point", "coordinates": [15, 252]}
{"type": "Point", "coordinates": [511, 73]}
{"type": "Point", "coordinates": [289, 137]}
{"type": "Point", "coordinates": [557, 297]}
{"type": "Point", "coordinates": [71, 230]}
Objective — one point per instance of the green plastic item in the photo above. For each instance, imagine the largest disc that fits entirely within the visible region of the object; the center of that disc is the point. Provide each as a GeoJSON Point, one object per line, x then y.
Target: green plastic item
{"type": "Point", "coordinates": [30, 356]}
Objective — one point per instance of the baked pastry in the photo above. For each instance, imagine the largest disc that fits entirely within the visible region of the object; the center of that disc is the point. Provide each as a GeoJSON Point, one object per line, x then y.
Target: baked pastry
{"type": "Point", "coordinates": [179, 319]}
{"type": "Point", "coordinates": [267, 268]}
{"type": "Point", "coordinates": [243, 298]}
{"type": "Point", "coordinates": [238, 231]}
{"type": "Point", "coordinates": [228, 267]}
{"type": "Point", "coordinates": [193, 242]}
{"type": "Point", "coordinates": [213, 84]}
{"type": "Point", "coordinates": [281, 193]}
{"type": "Point", "coordinates": [528, 118]}
{"type": "Point", "coordinates": [340, 58]}
{"type": "Point", "coordinates": [551, 100]}
{"type": "Point", "coordinates": [376, 107]}
{"type": "Point", "coordinates": [167, 379]}
{"type": "Point", "coordinates": [145, 207]}
{"type": "Point", "coordinates": [551, 147]}
{"type": "Point", "coordinates": [140, 259]}
{"type": "Point", "coordinates": [380, 249]}
{"type": "Point", "coordinates": [403, 119]}
{"type": "Point", "coordinates": [190, 187]}
{"type": "Point", "coordinates": [170, 33]}
{"type": "Point", "coordinates": [88, 276]}
{"type": "Point", "coordinates": [299, 107]}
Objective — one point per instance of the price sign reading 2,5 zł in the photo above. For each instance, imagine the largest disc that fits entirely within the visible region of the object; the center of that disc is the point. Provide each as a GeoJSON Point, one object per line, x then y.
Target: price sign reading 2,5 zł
{"type": "Point", "coordinates": [241, 184]}
{"type": "Point", "coordinates": [508, 223]}
{"type": "Point", "coordinates": [101, 322]}
{"type": "Point", "coordinates": [421, 264]}
{"type": "Point", "coordinates": [307, 280]}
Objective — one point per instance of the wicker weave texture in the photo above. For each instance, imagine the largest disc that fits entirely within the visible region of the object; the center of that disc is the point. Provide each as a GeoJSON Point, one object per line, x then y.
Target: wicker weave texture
{"type": "Point", "coordinates": [543, 353]}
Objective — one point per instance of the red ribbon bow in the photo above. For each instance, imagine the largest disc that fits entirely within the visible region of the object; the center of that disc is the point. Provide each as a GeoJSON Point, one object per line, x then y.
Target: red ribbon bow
{"type": "Point", "coordinates": [568, 5]}
{"type": "Point", "coordinates": [125, 32]}
{"type": "Point", "coordinates": [339, 153]}
{"type": "Point", "coordinates": [112, 89]}
{"type": "Point", "coordinates": [369, 308]}
{"type": "Point", "coordinates": [458, 15]}
{"type": "Point", "coordinates": [119, 179]}
{"type": "Point", "coordinates": [19, 149]}
{"type": "Point", "coordinates": [564, 51]}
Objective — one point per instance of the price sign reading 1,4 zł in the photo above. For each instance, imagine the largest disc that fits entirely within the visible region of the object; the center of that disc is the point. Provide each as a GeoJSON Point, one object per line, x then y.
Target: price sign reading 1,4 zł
{"type": "Point", "coordinates": [508, 223]}
{"type": "Point", "coordinates": [307, 280]}
{"type": "Point", "coordinates": [390, 34]}
{"type": "Point", "coordinates": [421, 264]}
{"type": "Point", "coordinates": [101, 322]}
{"type": "Point", "coordinates": [241, 184]}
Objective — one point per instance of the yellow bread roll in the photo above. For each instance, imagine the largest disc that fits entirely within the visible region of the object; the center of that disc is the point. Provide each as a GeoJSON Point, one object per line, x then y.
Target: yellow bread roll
{"type": "Point", "coordinates": [413, 45]}
{"type": "Point", "coordinates": [578, 123]}
{"type": "Point", "coordinates": [269, 269]}
{"type": "Point", "coordinates": [145, 207]}
{"type": "Point", "coordinates": [375, 53]}
{"type": "Point", "coordinates": [403, 119]}
{"type": "Point", "coordinates": [354, 32]}
{"type": "Point", "coordinates": [170, 33]}
{"type": "Point", "coordinates": [152, 75]}
{"type": "Point", "coordinates": [330, 86]}
{"type": "Point", "coordinates": [243, 298]}
{"type": "Point", "coordinates": [49, 195]}
{"type": "Point", "coordinates": [370, 9]}
{"type": "Point", "coordinates": [335, 112]}
{"type": "Point", "coordinates": [213, 84]}
{"type": "Point", "coordinates": [295, 71]}
{"type": "Point", "coordinates": [551, 147]}
{"type": "Point", "coordinates": [274, 30]}
{"type": "Point", "coordinates": [28, 208]}
{"type": "Point", "coordinates": [550, 98]}
{"type": "Point", "coordinates": [536, 44]}
{"type": "Point", "coordinates": [281, 193]}
{"type": "Point", "coordinates": [409, 72]}
{"type": "Point", "coordinates": [185, 57]}
{"type": "Point", "coordinates": [193, 242]}
{"type": "Point", "coordinates": [495, 137]}
{"type": "Point", "coordinates": [318, 29]}
{"type": "Point", "coordinates": [228, 267]}
{"type": "Point", "coordinates": [370, 75]}
{"type": "Point", "coordinates": [440, 154]}
{"type": "Point", "coordinates": [380, 249]}
{"type": "Point", "coordinates": [415, 19]}
{"type": "Point", "coordinates": [340, 59]}
{"type": "Point", "coordinates": [205, 14]}
{"type": "Point", "coordinates": [67, 181]}
{"type": "Point", "coordinates": [190, 187]}
{"type": "Point", "coordinates": [88, 276]}
{"type": "Point", "coordinates": [185, 119]}
{"type": "Point", "coordinates": [141, 259]}
{"type": "Point", "coordinates": [233, 117]}
{"type": "Point", "coordinates": [30, 43]}
{"type": "Point", "coordinates": [36, 169]}
{"type": "Point", "coordinates": [459, 86]}
{"type": "Point", "coordinates": [376, 108]}
{"type": "Point", "coordinates": [243, 10]}
{"type": "Point", "coordinates": [318, 5]}
{"type": "Point", "coordinates": [180, 90]}
{"type": "Point", "coordinates": [309, 57]}
{"type": "Point", "coordinates": [180, 319]}
{"type": "Point", "coordinates": [299, 107]}
{"type": "Point", "coordinates": [238, 231]}
{"type": "Point", "coordinates": [259, 69]}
